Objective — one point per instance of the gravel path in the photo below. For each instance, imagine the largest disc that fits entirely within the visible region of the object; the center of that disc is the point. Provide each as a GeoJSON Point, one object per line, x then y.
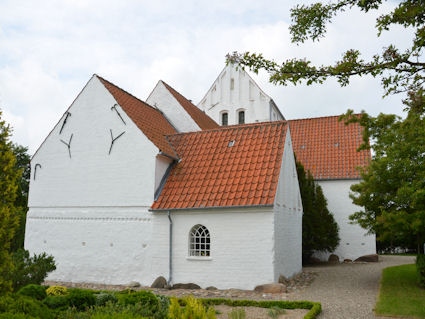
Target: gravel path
{"type": "Point", "coordinates": [348, 290]}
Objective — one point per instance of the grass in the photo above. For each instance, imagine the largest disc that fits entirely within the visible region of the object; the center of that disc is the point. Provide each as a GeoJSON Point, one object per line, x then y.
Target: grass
{"type": "Point", "coordinates": [400, 294]}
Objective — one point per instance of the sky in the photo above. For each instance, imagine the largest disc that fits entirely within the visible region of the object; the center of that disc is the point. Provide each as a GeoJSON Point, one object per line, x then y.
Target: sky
{"type": "Point", "coordinates": [50, 49]}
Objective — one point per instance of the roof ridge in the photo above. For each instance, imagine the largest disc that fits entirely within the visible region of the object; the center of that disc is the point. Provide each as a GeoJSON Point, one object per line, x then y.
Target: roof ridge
{"type": "Point", "coordinates": [128, 93]}
{"type": "Point", "coordinates": [232, 127]}
{"type": "Point", "coordinates": [319, 117]}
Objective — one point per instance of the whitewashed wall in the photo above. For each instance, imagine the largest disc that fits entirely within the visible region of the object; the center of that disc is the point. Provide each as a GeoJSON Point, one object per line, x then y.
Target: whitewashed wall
{"type": "Point", "coordinates": [287, 217]}
{"type": "Point", "coordinates": [90, 211]}
{"type": "Point", "coordinates": [241, 248]}
{"type": "Point", "coordinates": [92, 177]}
{"type": "Point", "coordinates": [235, 90]}
{"type": "Point", "coordinates": [162, 99]}
{"type": "Point", "coordinates": [354, 240]}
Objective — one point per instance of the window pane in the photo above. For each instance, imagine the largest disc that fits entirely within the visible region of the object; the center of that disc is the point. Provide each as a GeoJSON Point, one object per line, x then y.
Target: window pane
{"type": "Point", "coordinates": [224, 119]}
{"type": "Point", "coordinates": [242, 117]}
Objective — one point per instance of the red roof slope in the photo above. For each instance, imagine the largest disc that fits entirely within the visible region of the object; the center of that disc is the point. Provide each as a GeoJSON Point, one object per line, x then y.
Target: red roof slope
{"type": "Point", "coordinates": [212, 173]}
{"type": "Point", "coordinates": [148, 119]}
{"type": "Point", "coordinates": [200, 118]}
{"type": "Point", "coordinates": [328, 148]}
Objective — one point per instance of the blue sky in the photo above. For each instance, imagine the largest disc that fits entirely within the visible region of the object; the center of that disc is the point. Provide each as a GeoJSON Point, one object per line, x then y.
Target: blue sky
{"type": "Point", "coordinates": [50, 49]}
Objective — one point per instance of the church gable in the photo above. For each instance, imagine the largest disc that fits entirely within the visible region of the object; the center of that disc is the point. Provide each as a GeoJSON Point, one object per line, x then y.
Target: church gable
{"type": "Point", "coordinates": [227, 167]}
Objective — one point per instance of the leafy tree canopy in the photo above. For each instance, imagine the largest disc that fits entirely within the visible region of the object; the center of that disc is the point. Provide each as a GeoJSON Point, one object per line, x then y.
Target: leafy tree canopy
{"type": "Point", "coordinates": [392, 191]}
{"type": "Point", "coordinates": [400, 71]}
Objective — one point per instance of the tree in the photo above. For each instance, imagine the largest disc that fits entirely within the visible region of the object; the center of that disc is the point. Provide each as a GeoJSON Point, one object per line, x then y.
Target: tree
{"type": "Point", "coordinates": [21, 202]}
{"type": "Point", "coordinates": [392, 191]}
{"type": "Point", "coordinates": [9, 176]}
{"type": "Point", "coordinates": [320, 231]}
{"type": "Point", "coordinates": [399, 71]}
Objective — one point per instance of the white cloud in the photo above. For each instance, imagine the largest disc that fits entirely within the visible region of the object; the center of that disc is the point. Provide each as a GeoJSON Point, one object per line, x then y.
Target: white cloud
{"type": "Point", "coordinates": [49, 50]}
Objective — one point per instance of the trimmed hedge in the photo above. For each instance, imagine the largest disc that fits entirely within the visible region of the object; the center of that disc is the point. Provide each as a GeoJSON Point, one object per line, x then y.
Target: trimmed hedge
{"type": "Point", "coordinates": [34, 291]}
{"type": "Point", "coordinates": [420, 268]}
{"type": "Point", "coordinates": [314, 307]}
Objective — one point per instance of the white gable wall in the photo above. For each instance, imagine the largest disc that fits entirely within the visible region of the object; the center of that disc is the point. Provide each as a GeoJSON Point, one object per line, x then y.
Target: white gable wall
{"type": "Point", "coordinates": [90, 211]}
{"type": "Point", "coordinates": [235, 90]}
{"type": "Point", "coordinates": [241, 248]}
{"type": "Point", "coordinates": [287, 217]}
{"type": "Point", "coordinates": [354, 240]}
{"type": "Point", "coordinates": [162, 99]}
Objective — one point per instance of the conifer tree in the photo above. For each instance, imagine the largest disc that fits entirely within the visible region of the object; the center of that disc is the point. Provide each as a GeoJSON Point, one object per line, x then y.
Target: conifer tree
{"type": "Point", "coordinates": [320, 231]}
{"type": "Point", "coordinates": [9, 176]}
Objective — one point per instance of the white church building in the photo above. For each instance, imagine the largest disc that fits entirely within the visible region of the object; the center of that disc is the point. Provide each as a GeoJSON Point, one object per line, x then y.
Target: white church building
{"type": "Point", "coordinates": [124, 190]}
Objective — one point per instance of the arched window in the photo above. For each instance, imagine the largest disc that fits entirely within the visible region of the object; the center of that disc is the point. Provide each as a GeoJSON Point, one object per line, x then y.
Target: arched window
{"type": "Point", "coordinates": [199, 241]}
{"type": "Point", "coordinates": [224, 118]}
{"type": "Point", "coordinates": [241, 117]}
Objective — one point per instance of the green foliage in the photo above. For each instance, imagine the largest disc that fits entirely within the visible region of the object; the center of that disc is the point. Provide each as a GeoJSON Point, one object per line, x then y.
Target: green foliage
{"type": "Point", "coordinates": [29, 270]}
{"type": "Point", "coordinates": [192, 309]}
{"type": "Point", "coordinates": [399, 71]}
{"type": "Point", "coordinates": [18, 304]}
{"type": "Point", "coordinates": [420, 268]}
{"type": "Point", "coordinates": [81, 299]}
{"type": "Point", "coordinates": [320, 231]}
{"type": "Point", "coordinates": [392, 192]}
{"type": "Point", "coordinates": [9, 176]}
{"type": "Point", "coordinates": [56, 302]}
{"type": "Point", "coordinates": [148, 302]}
{"type": "Point", "coordinates": [399, 293]}
{"type": "Point", "coordinates": [275, 312]}
{"type": "Point", "coordinates": [237, 313]}
{"type": "Point", "coordinates": [103, 298]}
{"type": "Point", "coordinates": [34, 291]}
{"type": "Point", "coordinates": [23, 165]}
{"type": "Point", "coordinates": [57, 291]}
{"type": "Point", "coordinates": [8, 315]}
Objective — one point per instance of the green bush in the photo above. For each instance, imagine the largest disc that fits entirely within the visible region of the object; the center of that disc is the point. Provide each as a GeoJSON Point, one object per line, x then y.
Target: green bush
{"type": "Point", "coordinates": [56, 302]}
{"type": "Point", "coordinates": [56, 291]}
{"type": "Point", "coordinates": [192, 309]}
{"type": "Point", "coordinates": [19, 304]}
{"type": "Point", "coordinates": [29, 270]}
{"type": "Point", "coordinates": [34, 291]}
{"type": "Point", "coordinates": [420, 268]}
{"type": "Point", "coordinates": [146, 298]}
{"type": "Point", "coordinates": [8, 315]}
{"type": "Point", "coordinates": [81, 299]}
{"type": "Point", "coordinates": [164, 304]}
{"type": "Point", "coordinates": [103, 298]}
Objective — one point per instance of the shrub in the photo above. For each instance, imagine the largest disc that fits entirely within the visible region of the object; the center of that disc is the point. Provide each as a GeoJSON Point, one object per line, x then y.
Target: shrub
{"type": "Point", "coordinates": [19, 304]}
{"type": "Point", "coordinates": [147, 304]}
{"type": "Point", "coordinates": [30, 270]}
{"type": "Point", "coordinates": [420, 268]}
{"type": "Point", "coordinates": [103, 298]}
{"type": "Point", "coordinates": [193, 309]}
{"type": "Point", "coordinates": [81, 299]}
{"type": "Point", "coordinates": [164, 304]}
{"type": "Point", "coordinates": [56, 302]}
{"type": "Point", "coordinates": [8, 315]}
{"type": "Point", "coordinates": [56, 291]}
{"type": "Point", "coordinates": [34, 291]}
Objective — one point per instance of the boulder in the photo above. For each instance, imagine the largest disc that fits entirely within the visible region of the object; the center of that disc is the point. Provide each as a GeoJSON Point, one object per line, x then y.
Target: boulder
{"type": "Point", "coordinates": [186, 286]}
{"type": "Point", "coordinates": [211, 288]}
{"type": "Point", "coordinates": [368, 258]}
{"type": "Point", "coordinates": [133, 284]}
{"type": "Point", "coordinates": [271, 288]}
{"type": "Point", "coordinates": [333, 259]}
{"type": "Point", "coordinates": [159, 282]}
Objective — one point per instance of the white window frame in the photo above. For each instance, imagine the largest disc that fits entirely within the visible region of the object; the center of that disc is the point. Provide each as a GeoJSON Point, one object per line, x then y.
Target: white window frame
{"type": "Point", "coordinates": [199, 242]}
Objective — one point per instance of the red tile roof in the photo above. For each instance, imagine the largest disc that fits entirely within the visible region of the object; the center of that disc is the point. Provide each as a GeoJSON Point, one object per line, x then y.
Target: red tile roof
{"type": "Point", "coordinates": [201, 118]}
{"type": "Point", "coordinates": [328, 148]}
{"type": "Point", "coordinates": [148, 119]}
{"type": "Point", "coordinates": [212, 173]}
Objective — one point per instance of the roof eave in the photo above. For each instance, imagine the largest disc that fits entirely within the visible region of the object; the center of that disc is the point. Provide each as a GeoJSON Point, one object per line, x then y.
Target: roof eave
{"type": "Point", "coordinates": [208, 208]}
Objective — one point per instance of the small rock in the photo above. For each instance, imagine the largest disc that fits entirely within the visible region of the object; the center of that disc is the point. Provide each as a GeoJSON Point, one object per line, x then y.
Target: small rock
{"type": "Point", "coordinates": [333, 259]}
{"type": "Point", "coordinates": [186, 286]}
{"type": "Point", "coordinates": [211, 288]}
{"type": "Point", "coordinates": [368, 258]}
{"type": "Point", "coordinates": [159, 282]}
{"type": "Point", "coordinates": [347, 260]}
{"type": "Point", "coordinates": [133, 284]}
{"type": "Point", "coordinates": [282, 279]}
{"type": "Point", "coordinates": [271, 288]}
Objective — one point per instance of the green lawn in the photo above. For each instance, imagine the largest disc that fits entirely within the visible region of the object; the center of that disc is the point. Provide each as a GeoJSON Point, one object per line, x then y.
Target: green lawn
{"type": "Point", "coordinates": [400, 294]}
